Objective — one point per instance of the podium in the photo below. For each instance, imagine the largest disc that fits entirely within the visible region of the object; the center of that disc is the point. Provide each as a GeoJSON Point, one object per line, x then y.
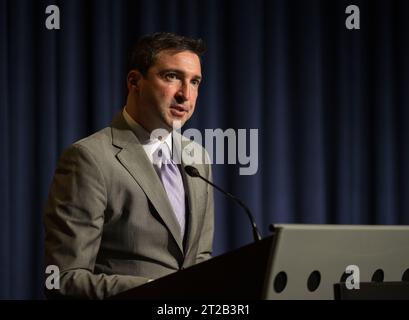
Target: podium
{"type": "Point", "coordinates": [297, 262]}
{"type": "Point", "coordinates": [239, 274]}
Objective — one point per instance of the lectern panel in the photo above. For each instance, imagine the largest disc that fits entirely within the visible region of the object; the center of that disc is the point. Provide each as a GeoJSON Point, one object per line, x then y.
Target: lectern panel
{"type": "Point", "coordinates": [307, 260]}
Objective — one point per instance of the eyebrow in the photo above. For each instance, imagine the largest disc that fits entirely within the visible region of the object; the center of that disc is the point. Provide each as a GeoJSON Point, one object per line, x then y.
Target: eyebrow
{"type": "Point", "coordinates": [197, 77]}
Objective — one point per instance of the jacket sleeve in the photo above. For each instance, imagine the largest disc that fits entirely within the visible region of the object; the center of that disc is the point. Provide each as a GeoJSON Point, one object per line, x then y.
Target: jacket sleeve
{"type": "Point", "coordinates": [74, 220]}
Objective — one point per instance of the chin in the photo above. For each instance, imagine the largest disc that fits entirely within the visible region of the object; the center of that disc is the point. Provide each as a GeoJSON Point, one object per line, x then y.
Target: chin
{"type": "Point", "coordinates": [177, 124]}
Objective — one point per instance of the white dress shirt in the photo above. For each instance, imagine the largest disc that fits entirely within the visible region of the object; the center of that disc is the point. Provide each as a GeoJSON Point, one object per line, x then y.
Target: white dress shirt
{"type": "Point", "coordinates": [149, 142]}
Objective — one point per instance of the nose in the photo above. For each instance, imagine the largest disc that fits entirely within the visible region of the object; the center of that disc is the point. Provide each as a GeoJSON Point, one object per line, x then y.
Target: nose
{"type": "Point", "coordinates": [183, 94]}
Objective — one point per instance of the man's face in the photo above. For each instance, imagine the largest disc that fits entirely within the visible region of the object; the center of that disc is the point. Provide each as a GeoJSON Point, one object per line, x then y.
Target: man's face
{"type": "Point", "coordinates": [167, 94]}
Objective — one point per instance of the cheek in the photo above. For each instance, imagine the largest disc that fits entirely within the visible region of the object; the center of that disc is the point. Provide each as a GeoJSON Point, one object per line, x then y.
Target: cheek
{"type": "Point", "coordinates": [194, 98]}
{"type": "Point", "coordinates": [158, 90]}
{"type": "Point", "coordinates": [167, 92]}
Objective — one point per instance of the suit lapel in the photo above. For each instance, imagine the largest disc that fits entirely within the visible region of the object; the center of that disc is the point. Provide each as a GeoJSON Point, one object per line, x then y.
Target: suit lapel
{"type": "Point", "coordinates": [192, 190]}
{"type": "Point", "coordinates": [133, 157]}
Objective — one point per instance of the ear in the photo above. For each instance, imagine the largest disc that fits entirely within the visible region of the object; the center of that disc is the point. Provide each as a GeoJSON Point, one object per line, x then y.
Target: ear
{"type": "Point", "coordinates": [133, 78]}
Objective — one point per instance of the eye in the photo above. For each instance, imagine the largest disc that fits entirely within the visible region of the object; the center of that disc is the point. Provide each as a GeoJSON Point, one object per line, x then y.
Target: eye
{"type": "Point", "coordinates": [195, 82]}
{"type": "Point", "coordinates": [171, 76]}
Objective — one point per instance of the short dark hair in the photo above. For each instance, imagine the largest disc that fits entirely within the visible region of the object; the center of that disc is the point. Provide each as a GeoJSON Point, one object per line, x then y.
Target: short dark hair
{"type": "Point", "coordinates": [144, 52]}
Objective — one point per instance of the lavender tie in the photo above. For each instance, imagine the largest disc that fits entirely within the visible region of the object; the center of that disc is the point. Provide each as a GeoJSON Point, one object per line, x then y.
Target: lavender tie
{"type": "Point", "coordinates": [173, 184]}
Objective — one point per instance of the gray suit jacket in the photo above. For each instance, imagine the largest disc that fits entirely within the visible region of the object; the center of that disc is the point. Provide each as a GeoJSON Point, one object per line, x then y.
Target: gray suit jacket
{"type": "Point", "coordinates": [109, 225]}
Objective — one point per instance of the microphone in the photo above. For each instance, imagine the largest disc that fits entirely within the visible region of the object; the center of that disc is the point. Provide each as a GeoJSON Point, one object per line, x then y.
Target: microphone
{"type": "Point", "coordinates": [193, 172]}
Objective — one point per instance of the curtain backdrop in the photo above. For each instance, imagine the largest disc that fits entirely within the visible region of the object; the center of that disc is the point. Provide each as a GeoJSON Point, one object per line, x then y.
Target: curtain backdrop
{"type": "Point", "coordinates": [331, 106]}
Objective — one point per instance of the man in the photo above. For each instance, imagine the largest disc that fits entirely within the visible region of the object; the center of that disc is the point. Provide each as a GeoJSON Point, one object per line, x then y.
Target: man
{"type": "Point", "coordinates": [121, 210]}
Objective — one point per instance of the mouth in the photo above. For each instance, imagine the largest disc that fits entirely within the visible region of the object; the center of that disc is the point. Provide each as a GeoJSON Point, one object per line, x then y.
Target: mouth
{"type": "Point", "coordinates": [178, 110]}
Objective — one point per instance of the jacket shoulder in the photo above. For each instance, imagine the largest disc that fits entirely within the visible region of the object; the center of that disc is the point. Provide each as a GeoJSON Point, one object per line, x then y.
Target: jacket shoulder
{"type": "Point", "coordinates": [95, 140]}
{"type": "Point", "coordinates": [97, 145]}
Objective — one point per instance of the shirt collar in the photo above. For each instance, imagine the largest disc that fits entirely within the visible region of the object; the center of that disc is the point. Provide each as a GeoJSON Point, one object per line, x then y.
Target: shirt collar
{"type": "Point", "coordinates": [149, 142]}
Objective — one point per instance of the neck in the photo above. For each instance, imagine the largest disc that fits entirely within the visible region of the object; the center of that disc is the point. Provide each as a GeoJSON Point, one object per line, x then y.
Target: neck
{"type": "Point", "coordinates": [159, 132]}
